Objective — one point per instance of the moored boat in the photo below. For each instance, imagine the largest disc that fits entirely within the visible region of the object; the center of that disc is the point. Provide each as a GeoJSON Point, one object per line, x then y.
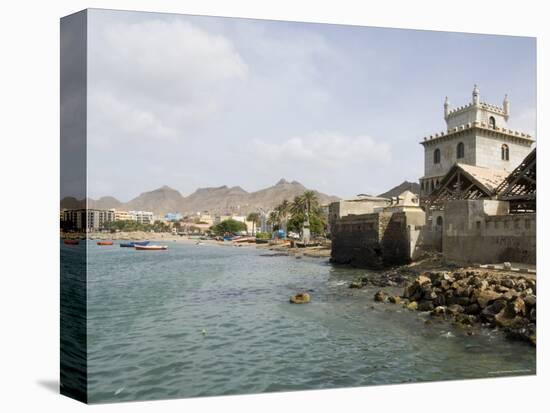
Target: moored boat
{"type": "Point", "coordinates": [105, 243]}
{"type": "Point", "coordinates": [151, 247]}
{"type": "Point", "coordinates": [133, 244]}
{"type": "Point", "coordinates": [70, 241]}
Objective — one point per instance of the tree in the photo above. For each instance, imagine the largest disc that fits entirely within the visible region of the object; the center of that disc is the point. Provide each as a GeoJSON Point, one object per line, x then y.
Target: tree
{"type": "Point", "coordinates": [254, 217]}
{"type": "Point", "coordinates": [273, 220]}
{"type": "Point", "coordinates": [230, 226]}
{"type": "Point", "coordinates": [283, 213]}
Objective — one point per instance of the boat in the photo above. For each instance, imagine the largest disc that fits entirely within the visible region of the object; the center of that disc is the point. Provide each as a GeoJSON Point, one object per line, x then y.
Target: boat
{"type": "Point", "coordinates": [105, 243]}
{"type": "Point", "coordinates": [151, 247]}
{"type": "Point", "coordinates": [133, 244]}
{"type": "Point", "coordinates": [70, 241]}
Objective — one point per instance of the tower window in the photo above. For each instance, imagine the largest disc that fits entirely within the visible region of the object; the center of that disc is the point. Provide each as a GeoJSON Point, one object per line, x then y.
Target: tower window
{"type": "Point", "coordinates": [505, 153]}
{"type": "Point", "coordinates": [437, 156]}
{"type": "Point", "coordinates": [492, 122]}
{"type": "Point", "coordinates": [460, 150]}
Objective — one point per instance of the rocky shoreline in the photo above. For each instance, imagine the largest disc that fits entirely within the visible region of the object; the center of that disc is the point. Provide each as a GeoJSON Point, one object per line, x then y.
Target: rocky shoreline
{"type": "Point", "coordinates": [466, 297]}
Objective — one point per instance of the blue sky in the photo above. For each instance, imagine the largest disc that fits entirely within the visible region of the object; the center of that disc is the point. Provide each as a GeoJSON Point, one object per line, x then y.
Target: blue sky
{"type": "Point", "coordinates": [189, 101]}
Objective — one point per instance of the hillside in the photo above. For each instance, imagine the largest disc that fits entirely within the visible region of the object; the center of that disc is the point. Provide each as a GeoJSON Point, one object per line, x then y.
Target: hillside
{"type": "Point", "coordinates": [215, 200]}
{"type": "Point", "coordinates": [414, 187]}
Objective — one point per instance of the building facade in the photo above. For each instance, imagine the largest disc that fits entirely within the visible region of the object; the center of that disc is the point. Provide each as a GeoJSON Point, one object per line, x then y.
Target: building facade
{"type": "Point", "coordinates": [477, 134]}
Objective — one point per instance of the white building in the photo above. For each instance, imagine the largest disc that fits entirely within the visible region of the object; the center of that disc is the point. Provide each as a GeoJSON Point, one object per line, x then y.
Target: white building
{"type": "Point", "coordinates": [477, 134]}
{"type": "Point", "coordinates": [143, 217]}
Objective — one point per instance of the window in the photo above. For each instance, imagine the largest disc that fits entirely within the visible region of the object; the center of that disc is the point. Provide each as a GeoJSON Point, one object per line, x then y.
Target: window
{"type": "Point", "coordinates": [505, 153]}
{"type": "Point", "coordinates": [432, 185]}
{"type": "Point", "coordinates": [492, 122]}
{"type": "Point", "coordinates": [439, 221]}
{"type": "Point", "coordinates": [437, 156]}
{"type": "Point", "coordinates": [460, 150]}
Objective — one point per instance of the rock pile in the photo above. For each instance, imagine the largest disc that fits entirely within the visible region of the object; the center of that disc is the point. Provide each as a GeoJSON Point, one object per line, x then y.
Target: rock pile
{"type": "Point", "coordinates": [469, 297]}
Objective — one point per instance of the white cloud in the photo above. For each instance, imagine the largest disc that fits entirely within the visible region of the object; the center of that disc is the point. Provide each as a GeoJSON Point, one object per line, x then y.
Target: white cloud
{"type": "Point", "coordinates": [157, 79]}
{"type": "Point", "coordinates": [325, 150]}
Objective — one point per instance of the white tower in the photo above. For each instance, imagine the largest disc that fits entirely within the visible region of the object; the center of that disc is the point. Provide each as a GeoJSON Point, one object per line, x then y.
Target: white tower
{"type": "Point", "coordinates": [446, 107]}
{"type": "Point", "coordinates": [475, 95]}
{"type": "Point", "coordinates": [506, 107]}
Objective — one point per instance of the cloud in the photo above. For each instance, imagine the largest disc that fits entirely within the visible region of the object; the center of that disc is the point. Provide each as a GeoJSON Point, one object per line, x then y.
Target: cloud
{"type": "Point", "coordinates": [158, 79]}
{"type": "Point", "coordinates": [325, 150]}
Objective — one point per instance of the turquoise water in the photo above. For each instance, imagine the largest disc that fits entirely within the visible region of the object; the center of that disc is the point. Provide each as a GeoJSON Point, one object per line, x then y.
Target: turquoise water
{"type": "Point", "coordinates": [205, 320]}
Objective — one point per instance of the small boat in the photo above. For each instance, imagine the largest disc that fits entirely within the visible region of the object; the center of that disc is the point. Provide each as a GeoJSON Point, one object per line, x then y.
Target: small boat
{"type": "Point", "coordinates": [70, 241]}
{"type": "Point", "coordinates": [151, 247]}
{"type": "Point", "coordinates": [133, 244]}
{"type": "Point", "coordinates": [105, 243]}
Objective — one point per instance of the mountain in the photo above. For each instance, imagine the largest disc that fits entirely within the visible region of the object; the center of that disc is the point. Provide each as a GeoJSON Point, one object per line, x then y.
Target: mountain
{"type": "Point", "coordinates": [215, 200]}
{"type": "Point", "coordinates": [160, 201]}
{"type": "Point", "coordinates": [402, 187]}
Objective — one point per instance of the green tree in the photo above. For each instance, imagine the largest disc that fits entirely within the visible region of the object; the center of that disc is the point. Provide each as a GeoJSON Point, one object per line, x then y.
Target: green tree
{"type": "Point", "coordinates": [283, 214]}
{"type": "Point", "coordinates": [228, 226]}
{"type": "Point", "coordinates": [273, 220]}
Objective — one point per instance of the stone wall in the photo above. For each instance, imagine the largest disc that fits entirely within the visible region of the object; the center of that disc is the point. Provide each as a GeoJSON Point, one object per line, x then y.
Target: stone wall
{"type": "Point", "coordinates": [483, 232]}
{"type": "Point", "coordinates": [376, 240]}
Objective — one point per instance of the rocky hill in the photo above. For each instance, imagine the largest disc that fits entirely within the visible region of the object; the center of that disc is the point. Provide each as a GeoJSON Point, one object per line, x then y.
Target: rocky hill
{"type": "Point", "coordinates": [414, 187]}
{"type": "Point", "coordinates": [216, 200]}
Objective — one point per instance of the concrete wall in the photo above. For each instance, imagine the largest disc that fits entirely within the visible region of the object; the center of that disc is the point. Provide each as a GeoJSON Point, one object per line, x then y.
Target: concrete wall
{"type": "Point", "coordinates": [448, 154]}
{"type": "Point", "coordinates": [488, 152]}
{"type": "Point", "coordinates": [482, 232]}
{"type": "Point", "coordinates": [344, 208]}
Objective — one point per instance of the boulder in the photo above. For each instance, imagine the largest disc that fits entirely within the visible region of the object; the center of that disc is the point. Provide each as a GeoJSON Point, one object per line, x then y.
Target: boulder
{"type": "Point", "coordinates": [394, 299]}
{"type": "Point", "coordinates": [439, 310]}
{"type": "Point", "coordinates": [380, 296]}
{"type": "Point", "coordinates": [488, 313]}
{"type": "Point", "coordinates": [455, 309]}
{"type": "Point", "coordinates": [413, 305]}
{"type": "Point", "coordinates": [422, 279]}
{"type": "Point", "coordinates": [486, 297]}
{"type": "Point", "coordinates": [425, 305]}
{"type": "Point", "coordinates": [356, 284]}
{"type": "Point", "coordinates": [472, 309]}
{"type": "Point", "coordinates": [302, 298]}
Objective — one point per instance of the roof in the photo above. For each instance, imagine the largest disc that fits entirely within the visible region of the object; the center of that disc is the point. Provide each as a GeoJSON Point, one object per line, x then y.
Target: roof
{"type": "Point", "coordinates": [488, 177]}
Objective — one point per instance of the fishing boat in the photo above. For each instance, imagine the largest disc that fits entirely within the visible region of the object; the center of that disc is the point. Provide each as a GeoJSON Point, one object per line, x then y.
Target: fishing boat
{"type": "Point", "coordinates": [133, 244]}
{"type": "Point", "coordinates": [105, 243]}
{"type": "Point", "coordinates": [151, 247]}
{"type": "Point", "coordinates": [70, 241]}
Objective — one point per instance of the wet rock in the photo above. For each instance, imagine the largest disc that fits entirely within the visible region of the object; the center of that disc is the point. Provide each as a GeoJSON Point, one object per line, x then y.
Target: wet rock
{"type": "Point", "coordinates": [394, 299]}
{"type": "Point", "coordinates": [533, 315]}
{"type": "Point", "coordinates": [356, 284]}
{"type": "Point", "coordinates": [486, 297]}
{"type": "Point", "coordinates": [488, 313]}
{"type": "Point", "coordinates": [413, 305]}
{"type": "Point", "coordinates": [472, 309]}
{"type": "Point", "coordinates": [422, 279]}
{"type": "Point", "coordinates": [302, 298]}
{"type": "Point", "coordinates": [455, 309]}
{"type": "Point", "coordinates": [380, 296]}
{"type": "Point", "coordinates": [425, 305]}
{"type": "Point", "coordinates": [439, 310]}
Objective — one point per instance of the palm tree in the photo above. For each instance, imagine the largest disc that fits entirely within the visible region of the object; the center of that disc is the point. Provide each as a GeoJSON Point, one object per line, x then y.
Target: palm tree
{"type": "Point", "coordinates": [310, 201]}
{"type": "Point", "coordinates": [273, 219]}
{"type": "Point", "coordinates": [254, 217]}
{"type": "Point", "coordinates": [297, 206]}
{"type": "Point", "coordinates": [283, 212]}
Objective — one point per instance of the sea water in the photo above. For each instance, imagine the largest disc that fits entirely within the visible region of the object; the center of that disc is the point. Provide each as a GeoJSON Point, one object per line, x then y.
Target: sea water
{"type": "Point", "coordinates": [206, 320]}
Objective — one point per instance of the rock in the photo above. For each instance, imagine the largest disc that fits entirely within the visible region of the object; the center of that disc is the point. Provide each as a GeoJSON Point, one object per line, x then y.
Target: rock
{"type": "Point", "coordinates": [508, 282]}
{"type": "Point", "coordinates": [425, 305]}
{"type": "Point", "coordinates": [380, 296]}
{"type": "Point", "coordinates": [439, 310]}
{"type": "Point", "coordinates": [472, 309]}
{"type": "Point", "coordinates": [486, 297]}
{"type": "Point", "coordinates": [518, 307]}
{"type": "Point", "coordinates": [422, 279]}
{"type": "Point", "coordinates": [533, 314]}
{"type": "Point", "coordinates": [455, 309]}
{"type": "Point", "coordinates": [488, 313]}
{"type": "Point", "coordinates": [394, 299]}
{"type": "Point", "coordinates": [463, 301]}
{"type": "Point", "coordinates": [413, 305]}
{"type": "Point", "coordinates": [356, 284]}
{"type": "Point", "coordinates": [507, 266]}
{"type": "Point", "coordinates": [302, 298]}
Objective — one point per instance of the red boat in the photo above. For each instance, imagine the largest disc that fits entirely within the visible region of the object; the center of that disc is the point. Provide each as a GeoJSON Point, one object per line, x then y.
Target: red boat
{"type": "Point", "coordinates": [70, 241]}
{"type": "Point", "coordinates": [105, 243]}
{"type": "Point", "coordinates": [151, 247]}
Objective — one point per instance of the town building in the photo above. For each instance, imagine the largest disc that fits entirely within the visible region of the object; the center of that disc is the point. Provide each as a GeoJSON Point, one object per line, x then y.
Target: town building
{"type": "Point", "coordinates": [143, 217]}
{"type": "Point", "coordinates": [87, 219]}
{"type": "Point", "coordinates": [121, 215]}
{"type": "Point", "coordinates": [477, 134]}
{"type": "Point", "coordinates": [173, 216]}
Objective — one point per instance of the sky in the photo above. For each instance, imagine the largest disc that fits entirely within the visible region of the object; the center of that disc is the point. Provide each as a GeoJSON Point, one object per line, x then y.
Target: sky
{"type": "Point", "coordinates": [191, 101]}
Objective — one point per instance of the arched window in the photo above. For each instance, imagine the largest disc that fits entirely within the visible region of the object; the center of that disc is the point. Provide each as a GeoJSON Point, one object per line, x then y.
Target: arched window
{"type": "Point", "coordinates": [439, 221]}
{"type": "Point", "coordinates": [437, 156]}
{"type": "Point", "coordinates": [505, 153]}
{"type": "Point", "coordinates": [422, 186]}
{"type": "Point", "coordinates": [432, 185]}
{"type": "Point", "coordinates": [460, 150]}
{"type": "Point", "coordinates": [492, 122]}
{"type": "Point", "coordinates": [437, 184]}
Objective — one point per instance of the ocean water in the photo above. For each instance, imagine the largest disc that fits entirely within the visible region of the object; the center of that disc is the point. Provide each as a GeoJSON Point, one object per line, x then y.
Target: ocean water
{"type": "Point", "coordinates": [206, 320]}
